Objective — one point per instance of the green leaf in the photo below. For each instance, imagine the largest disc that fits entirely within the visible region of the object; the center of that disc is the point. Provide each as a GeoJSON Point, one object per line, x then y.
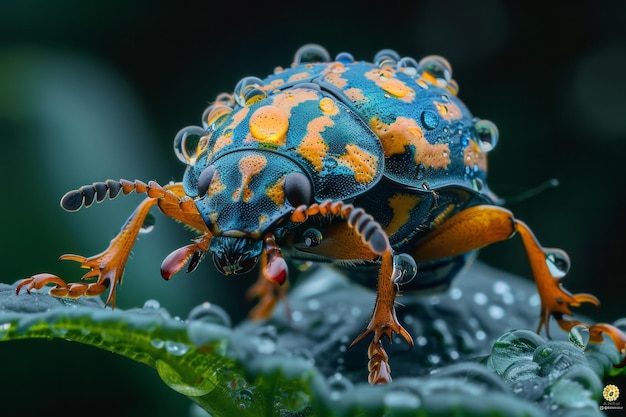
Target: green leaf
{"type": "Point", "coordinates": [468, 359]}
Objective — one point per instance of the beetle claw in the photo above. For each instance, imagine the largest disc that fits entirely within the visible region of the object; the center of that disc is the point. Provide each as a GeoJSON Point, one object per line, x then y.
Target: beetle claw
{"type": "Point", "coordinates": [61, 288]}
{"type": "Point", "coordinates": [191, 253]}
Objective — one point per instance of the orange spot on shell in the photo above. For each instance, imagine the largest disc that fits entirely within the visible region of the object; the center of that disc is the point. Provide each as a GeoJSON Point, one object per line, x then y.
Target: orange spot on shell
{"type": "Point", "coordinates": [299, 76]}
{"type": "Point", "coordinates": [249, 166]}
{"type": "Point", "coordinates": [395, 87]}
{"type": "Point", "coordinates": [449, 111]}
{"type": "Point", "coordinates": [269, 124]}
{"type": "Point", "coordinates": [385, 79]}
{"type": "Point", "coordinates": [472, 155]}
{"type": "Point", "coordinates": [313, 147]}
{"type": "Point", "coordinates": [328, 106]}
{"type": "Point", "coordinates": [276, 192]}
{"type": "Point", "coordinates": [399, 136]}
{"type": "Point", "coordinates": [227, 135]}
{"type": "Point", "coordinates": [355, 94]}
{"type": "Point", "coordinates": [363, 163]}
{"type": "Point", "coordinates": [216, 185]}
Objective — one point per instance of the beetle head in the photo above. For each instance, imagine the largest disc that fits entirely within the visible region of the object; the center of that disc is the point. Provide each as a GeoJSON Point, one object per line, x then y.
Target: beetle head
{"type": "Point", "coordinates": [242, 195]}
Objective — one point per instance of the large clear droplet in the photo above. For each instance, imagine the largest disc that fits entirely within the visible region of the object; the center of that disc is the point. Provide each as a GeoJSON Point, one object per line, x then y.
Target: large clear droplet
{"type": "Point", "coordinates": [244, 86]}
{"type": "Point", "coordinates": [210, 313]}
{"type": "Point", "coordinates": [311, 53]}
{"type": "Point", "coordinates": [438, 67]}
{"type": "Point", "coordinates": [558, 262]}
{"type": "Point", "coordinates": [200, 386]}
{"type": "Point", "coordinates": [487, 134]}
{"type": "Point", "coordinates": [386, 57]}
{"type": "Point", "coordinates": [344, 58]}
{"type": "Point", "coordinates": [407, 65]}
{"type": "Point", "coordinates": [404, 268]}
{"type": "Point", "coordinates": [189, 142]}
{"type": "Point", "coordinates": [579, 336]}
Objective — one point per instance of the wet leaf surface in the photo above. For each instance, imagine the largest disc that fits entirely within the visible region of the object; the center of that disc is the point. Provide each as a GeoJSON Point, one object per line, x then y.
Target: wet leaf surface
{"type": "Point", "coordinates": [476, 353]}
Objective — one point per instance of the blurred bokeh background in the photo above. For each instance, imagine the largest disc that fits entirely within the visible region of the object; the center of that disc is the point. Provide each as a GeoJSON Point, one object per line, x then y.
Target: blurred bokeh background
{"type": "Point", "coordinates": [97, 90]}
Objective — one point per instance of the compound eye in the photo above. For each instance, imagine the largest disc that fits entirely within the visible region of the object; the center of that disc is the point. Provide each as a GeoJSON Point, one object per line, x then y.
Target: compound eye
{"type": "Point", "coordinates": [298, 190]}
{"type": "Point", "coordinates": [204, 180]}
{"type": "Point", "coordinates": [312, 237]}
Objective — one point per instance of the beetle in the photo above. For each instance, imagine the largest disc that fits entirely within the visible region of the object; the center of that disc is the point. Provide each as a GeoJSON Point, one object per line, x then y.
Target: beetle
{"type": "Point", "coordinates": [376, 167]}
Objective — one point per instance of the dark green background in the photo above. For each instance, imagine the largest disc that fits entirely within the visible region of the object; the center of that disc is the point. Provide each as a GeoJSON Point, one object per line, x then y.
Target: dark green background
{"type": "Point", "coordinates": [96, 91]}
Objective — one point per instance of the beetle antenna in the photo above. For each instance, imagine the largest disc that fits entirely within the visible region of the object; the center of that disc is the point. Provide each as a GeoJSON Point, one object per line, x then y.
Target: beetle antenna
{"type": "Point", "coordinates": [532, 192]}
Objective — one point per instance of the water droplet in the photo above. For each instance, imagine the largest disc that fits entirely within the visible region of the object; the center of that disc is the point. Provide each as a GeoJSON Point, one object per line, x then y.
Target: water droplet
{"type": "Point", "coordinates": [293, 402]}
{"type": "Point", "coordinates": [521, 370]}
{"type": "Point", "coordinates": [407, 65]}
{"type": "Point", "coordinates": [487, 134]}
{"type": "Point", "coordinates": [268, 124]}
{"type": "Point", "coordinates": [151, 305]}
{"type": "Point", "coordinates": [59, 331]}
{"type": "Point", "coordinates": [456, 293]}
{"type": "Point", "coordinates": [157, 343]}
{"type": "Point", "coordinates": [210, 313]}
{"type": "Point", "coordinates": [304, 353]}
{"type": "Point", "coordinates": [4, 329]}
{"type": "Point", "coordinates": [297, 316]}
{"type": "Point", "coordinates": [395, 87]}
{"type": "Point", "coordinates": [437, 67]}
{"type": "Point", "coordinates": [429, 119]}
{"type": "Point", "coordinates": [501, 287]}
{"type": "Point", "coordinates": [386, 57]}
{"type": "Point", "coordinates": [337, 385]}
{"type": "Point", "coordinates": [344, 57]}
{"type": "Point", "coordinates": [313, 304]}
{"type": "Point", "coordinates": [579, 336]}
{"type": "Point", "coordinates": [558, 262]}
{"type": "Point", "coordinates": [245, 86]}
{"type": "Point", "coordinates": [190, 142]}
{"type": "Point", "coordinates": [245, 397]}
{"type": "Point", "coordinates": [402, 399]}
{"type": "Point", "coordinates": [311, 53]}
{"type": "Point", "coordinates": [265, 340]}
{"type": "Point", "coordinates": [421, 171]}
{"type": "Point", "coordinates": [433, 359]}
{"type": "Point", "coordinates": [495, 312]}
{"type": "Point", "coordinates": [404, 268]}
{"type": "Point", "coordinates": [480, 335]}
{"type": "Point", "coordinates": [201, 385]}
{"type": "Point", "coordinates": [148, 224]}
{"type": "Point", "coordinates": [214, 114]}
{"type": "Point", "coordinates": [176, 348]}
{"type": "Point", "coordinates": [480, 298]}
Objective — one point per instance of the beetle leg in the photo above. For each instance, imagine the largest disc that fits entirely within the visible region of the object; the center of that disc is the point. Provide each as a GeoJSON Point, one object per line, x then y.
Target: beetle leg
{"type": "Point", "coordinates": [108, 266]}
{"type": "Point", "coordinates": [61, 289]}
{"type": "Point", "coordinates": [360, 237]}
{"type": "Point", "coordinates": [479, 226]}
{"type": "Point", "coordinates": [270, 286]}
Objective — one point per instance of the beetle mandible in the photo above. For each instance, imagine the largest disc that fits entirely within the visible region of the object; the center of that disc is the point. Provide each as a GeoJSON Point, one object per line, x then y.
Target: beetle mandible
{"type": "Point", "coordinates": [376, 167]}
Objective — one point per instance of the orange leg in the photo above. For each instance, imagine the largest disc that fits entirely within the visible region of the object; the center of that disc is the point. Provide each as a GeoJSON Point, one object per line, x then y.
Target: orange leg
{"type": "Point", "coordinates": [479, 226]}
{"type": "Point", "coordinates": [357, 236]}
{"type": "Point", "coordinates": [108, 266]}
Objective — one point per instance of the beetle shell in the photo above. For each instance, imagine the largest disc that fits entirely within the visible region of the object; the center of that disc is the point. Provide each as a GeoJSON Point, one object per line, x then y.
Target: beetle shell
{"type": "Point", "coordinates": [391, 136]}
